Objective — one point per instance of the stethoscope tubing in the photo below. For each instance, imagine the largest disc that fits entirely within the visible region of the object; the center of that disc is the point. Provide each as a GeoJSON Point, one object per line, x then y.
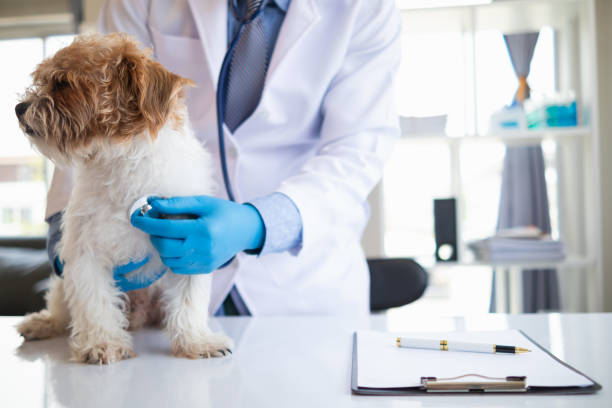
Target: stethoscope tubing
{"type": "Point", "coordinates": [221, 99]}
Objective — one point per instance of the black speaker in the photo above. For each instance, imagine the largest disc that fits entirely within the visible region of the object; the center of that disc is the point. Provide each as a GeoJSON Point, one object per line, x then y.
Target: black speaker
{"type": "Point", "coordinates": [445, 226]}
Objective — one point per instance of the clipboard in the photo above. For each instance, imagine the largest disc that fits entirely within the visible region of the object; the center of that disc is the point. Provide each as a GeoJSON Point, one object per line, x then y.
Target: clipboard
{"type": "Point", "coordinates": [470, 383]}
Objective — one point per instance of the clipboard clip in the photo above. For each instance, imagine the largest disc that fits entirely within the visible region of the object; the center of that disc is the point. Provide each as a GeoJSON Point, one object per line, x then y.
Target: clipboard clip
{"type": "Point", "coordinates": [492, 384]}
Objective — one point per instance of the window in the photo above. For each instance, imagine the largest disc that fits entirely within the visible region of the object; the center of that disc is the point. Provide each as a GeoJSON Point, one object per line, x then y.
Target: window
{"type": "Point", "coordinates": [416, 174]}
{"type": "Point", "coordinates": [24, 173]}
{"type": "Point", "coordinates": [431, 81]}
{"type": "Point", "coordinates": [26, 215]}
{"type": "Point", "coordinates": [7, 215]}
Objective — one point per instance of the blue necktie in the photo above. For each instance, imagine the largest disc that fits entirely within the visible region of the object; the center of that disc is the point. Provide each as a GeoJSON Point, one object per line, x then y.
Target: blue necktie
{"type": "Point", "coordinates": [247, 68]}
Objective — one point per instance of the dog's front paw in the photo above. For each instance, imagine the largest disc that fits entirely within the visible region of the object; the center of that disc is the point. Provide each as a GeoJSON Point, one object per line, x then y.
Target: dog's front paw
{"type": "Point", "coordinates": [39, 326]}
{"type": "Point", "coordinates": [211, 345]}
{"type": "Point", "coordinates": [103, 354]}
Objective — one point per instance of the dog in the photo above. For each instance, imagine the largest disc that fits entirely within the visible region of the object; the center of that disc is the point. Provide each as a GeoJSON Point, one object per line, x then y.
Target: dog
{"type": "Point", "coordinates": [103, 107]}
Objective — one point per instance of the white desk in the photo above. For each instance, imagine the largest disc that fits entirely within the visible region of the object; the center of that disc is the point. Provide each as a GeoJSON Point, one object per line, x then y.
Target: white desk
{"type": "Point", "coordinates": [279, 362]}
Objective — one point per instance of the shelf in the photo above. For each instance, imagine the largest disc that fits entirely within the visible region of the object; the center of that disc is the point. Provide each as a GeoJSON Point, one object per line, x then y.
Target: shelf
{"type": "Point", "coordinates": [569, 262]}
{"type": "Point", "coordinates": [506, 16]}
{"type": "Point", "coordinates": [509, 137]}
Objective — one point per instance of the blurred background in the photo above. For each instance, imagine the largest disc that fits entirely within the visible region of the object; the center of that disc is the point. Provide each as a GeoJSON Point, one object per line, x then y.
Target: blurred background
{"type": "Point", "coordinates": [498, 186]}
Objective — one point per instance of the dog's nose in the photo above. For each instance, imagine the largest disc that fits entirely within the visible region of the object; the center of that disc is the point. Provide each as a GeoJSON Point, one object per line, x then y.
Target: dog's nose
{"type": "Point", "coordinates": [21, 108]}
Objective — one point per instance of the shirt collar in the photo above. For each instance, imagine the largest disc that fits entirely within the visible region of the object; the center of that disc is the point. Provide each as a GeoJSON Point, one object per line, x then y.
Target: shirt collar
{"type": "Point", "coordinates": [281, 4]}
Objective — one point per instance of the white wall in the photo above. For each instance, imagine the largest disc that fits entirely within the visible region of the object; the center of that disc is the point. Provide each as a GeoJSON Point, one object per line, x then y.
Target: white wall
{"type": "Point", "coordinates": [603, 12]}
{"type": "Point", "coordinates": [373, 242]}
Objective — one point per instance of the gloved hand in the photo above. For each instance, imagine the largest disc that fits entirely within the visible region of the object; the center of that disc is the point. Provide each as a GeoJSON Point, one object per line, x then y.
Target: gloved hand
{"type": "Point", "coordinates": [218, 230]}
{"type": "Point", "coordinates": [121, 281]}
{"type": "Point", "coordinates": [125, 284]}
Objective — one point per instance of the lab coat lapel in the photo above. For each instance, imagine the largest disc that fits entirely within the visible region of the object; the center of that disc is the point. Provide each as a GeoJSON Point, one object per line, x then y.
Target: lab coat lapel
{"type": "Point", "coordinates": [301, 15]}
{"type": "Point", "coordinates": [211, 21]}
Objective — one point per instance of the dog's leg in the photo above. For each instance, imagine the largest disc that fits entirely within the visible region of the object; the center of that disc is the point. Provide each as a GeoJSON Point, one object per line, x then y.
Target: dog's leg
{"type": "Point", "coordinates": [99, 323]}
{"type": "Point", "coordinates": [50, 322]}
{"type": "Point", "coordinates": [185, 302]}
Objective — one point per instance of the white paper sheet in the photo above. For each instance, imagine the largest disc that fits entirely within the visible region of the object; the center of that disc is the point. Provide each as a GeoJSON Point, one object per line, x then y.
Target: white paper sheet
{"type": "Point", "coordinates": [381, 364]}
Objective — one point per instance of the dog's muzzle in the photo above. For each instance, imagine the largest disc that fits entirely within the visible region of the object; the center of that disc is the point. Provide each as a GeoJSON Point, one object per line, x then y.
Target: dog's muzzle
{"type": "Point", "coordinates": [21, 108]}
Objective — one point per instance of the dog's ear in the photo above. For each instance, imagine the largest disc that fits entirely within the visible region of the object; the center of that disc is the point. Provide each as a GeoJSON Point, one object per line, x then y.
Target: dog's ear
{"type": "Point", "coordinates": [140, 95]}
{"type": "Point", "coordinates": [159, 92]}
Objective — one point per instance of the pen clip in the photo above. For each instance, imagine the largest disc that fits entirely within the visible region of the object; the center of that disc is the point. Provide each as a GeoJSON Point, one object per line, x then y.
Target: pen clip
{"type": "Point", "coordinates": [493, 384]}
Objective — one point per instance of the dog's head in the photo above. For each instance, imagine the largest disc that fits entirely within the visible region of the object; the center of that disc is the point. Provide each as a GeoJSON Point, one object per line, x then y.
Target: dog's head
{"type": "Point", "coordinates": [99, 90]}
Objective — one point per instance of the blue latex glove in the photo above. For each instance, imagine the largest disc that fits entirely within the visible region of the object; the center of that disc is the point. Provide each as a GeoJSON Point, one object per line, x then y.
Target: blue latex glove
{"type": "Point", "coordinates": [125, 284]}
{"type": "Point", "coordinates": [217, 231]}
{"type": "Point", "coordinates": [121, 281]}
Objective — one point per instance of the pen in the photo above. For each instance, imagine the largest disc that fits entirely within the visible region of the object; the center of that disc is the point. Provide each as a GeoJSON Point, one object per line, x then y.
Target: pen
{"type": "Point", "coordinates": [444, 345]}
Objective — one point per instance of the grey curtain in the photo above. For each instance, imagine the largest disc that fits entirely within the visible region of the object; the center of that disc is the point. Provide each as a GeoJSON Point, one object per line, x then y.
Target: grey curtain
{"type": "Point", "coordinates": [520, 48]}
{"type": "Point", "coordinates": [524, 199]}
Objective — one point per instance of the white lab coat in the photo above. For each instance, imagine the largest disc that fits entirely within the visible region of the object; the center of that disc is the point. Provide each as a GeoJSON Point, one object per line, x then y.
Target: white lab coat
{"type": "Point", "coordinates": [320, 135]}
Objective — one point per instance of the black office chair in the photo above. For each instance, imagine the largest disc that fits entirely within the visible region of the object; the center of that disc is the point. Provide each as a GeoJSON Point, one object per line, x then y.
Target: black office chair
{"type": "Point", "coordinates": [395, 282]}
{"type": "Point", "coordinates": [24, 274]}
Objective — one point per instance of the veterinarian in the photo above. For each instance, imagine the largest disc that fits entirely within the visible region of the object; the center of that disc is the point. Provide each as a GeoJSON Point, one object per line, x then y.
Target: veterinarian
{"type": "Point", "coordinates": [307, 123]}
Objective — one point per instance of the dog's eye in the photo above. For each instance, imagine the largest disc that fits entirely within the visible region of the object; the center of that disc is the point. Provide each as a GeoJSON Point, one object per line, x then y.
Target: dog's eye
{"type": "Point", "coordinates": [61, 84]}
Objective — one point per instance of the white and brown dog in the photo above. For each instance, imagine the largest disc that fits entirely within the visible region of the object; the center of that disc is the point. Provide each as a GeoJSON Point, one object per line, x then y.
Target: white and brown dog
{"type": "Point", "coordinates": [103, 107]}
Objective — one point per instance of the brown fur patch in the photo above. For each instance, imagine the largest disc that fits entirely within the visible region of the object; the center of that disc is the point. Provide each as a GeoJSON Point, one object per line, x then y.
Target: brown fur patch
{"type": "Point", "coordinates": [144, 308]}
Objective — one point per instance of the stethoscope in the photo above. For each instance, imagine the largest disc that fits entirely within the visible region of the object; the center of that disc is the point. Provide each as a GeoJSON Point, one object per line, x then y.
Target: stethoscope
{"type": "Point", "coordinates": [221, 88]}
